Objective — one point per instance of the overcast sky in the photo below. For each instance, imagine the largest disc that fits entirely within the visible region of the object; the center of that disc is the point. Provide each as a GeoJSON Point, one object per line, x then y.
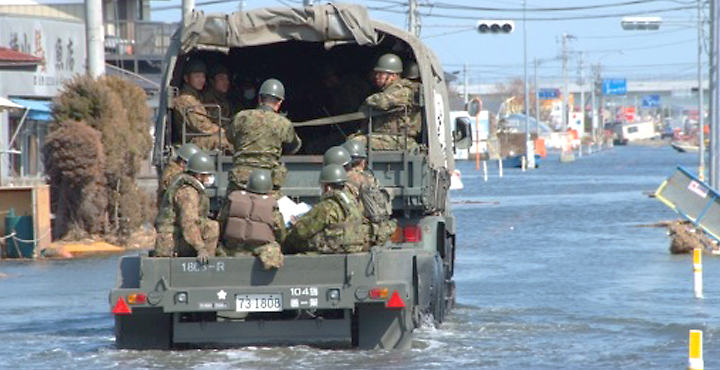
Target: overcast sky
{"type": "Point", "coordinates": [670, 53]}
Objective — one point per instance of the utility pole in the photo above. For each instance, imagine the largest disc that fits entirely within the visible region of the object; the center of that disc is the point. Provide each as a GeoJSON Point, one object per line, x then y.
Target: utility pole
{"type": "Point", "coordinates": [529, 152]}
{"type": "Point", "coordinates": [187, 9]}
{"type": "Point", "coordinates": [701, 119]}
{"type": "Point", "coordinates": [412, 7]}
{"type": "Point", "coordinates": [95, 38]}
{"type": "Point", "coordinates": [582, 92]}
{"type": "Point", "coordinates": [594, 115]}
{"type": "Point", "coordinates": [566, 91]}
{"type": "Point", "coordinates": [537, 97]}
{"type": "Point", "coordinates": [465, 82]}
{"type": "Point", "coordinates": [714, 93]}
{"type": "Point", "coordinates": [308, 2]}
{"type": "Point", "coordinates": [241, 6]}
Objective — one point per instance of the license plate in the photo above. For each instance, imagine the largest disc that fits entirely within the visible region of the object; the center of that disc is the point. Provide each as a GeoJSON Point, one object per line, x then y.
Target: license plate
{"type": "Point", "coordinates": [258, 303]}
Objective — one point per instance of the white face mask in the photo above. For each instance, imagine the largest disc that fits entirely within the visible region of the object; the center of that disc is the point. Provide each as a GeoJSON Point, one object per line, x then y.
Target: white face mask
{"type": "Point", "coordinates": [249, 94]}
{"type": "Point", "coordinates": [210, 181]}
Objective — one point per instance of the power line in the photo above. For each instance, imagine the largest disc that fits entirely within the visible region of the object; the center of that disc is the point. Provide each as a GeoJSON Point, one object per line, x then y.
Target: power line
{"type": "Point", "coordinates": [537, 9]}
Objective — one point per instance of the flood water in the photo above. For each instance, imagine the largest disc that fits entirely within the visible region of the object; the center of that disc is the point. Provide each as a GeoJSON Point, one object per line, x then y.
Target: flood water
{"type": "Point", "coordinates": [553, 271]}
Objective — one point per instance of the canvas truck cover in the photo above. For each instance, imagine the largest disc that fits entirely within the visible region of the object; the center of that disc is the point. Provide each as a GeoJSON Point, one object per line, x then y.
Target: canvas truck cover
{"type": "Point", "coordinates": [331, 22]}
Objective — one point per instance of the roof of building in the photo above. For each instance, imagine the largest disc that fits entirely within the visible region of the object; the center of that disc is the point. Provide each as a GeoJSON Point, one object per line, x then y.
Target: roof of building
{"type": "Point", "coordinates": [13, 58]}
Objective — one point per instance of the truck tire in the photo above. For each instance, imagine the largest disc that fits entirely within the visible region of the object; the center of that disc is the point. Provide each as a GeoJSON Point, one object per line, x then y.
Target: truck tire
{"type": "Point", "coordinates": [437, 292]}
{"type": "Point", "coordinates": [382, 328]}
{"type": "Point", "coordinates": [147, 328]}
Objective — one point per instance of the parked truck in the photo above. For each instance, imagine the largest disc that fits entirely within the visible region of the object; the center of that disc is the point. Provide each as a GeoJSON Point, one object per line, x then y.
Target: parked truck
{"type": "Point", "coordinates": [365, 300]}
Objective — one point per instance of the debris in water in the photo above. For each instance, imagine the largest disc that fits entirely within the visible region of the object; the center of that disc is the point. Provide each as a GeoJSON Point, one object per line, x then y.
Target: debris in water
{"type": "Point", "coordinates": [685, 237]}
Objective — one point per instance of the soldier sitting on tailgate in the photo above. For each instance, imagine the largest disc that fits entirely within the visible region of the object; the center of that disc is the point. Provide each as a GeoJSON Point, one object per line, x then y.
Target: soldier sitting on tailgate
{"type": "Point", "coordinates": [218, 94]}
{"type": "Point", "coordinates": [182, 224]}
{"type": "Point", "coordinates": [333, 225]}
{"type": "Point", "coordinates": [375, 201]}
{"type": "Point", "coordinates": [252, 222]}
{"type": "Point", "coordinates": [175, 167]}
{"type": "Point", "coordinates": [396, 98]}
{"type": "Point", "coordinates": [189, 111]}
{"type": "Point", "coordinates": [260, 137]}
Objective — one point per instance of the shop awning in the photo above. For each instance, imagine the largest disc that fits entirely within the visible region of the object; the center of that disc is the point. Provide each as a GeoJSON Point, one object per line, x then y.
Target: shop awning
{"type": "Point", "coordinates": [7, 104]}
{"type": "Point", "coordinates": [40, 110]}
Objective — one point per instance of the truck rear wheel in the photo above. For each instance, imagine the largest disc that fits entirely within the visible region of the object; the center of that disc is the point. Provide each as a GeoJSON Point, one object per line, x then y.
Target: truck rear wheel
{"type": "Point", "coordinates": [382, 328]}
{"type": "Point", "coordinates": [147, 328]}
{"type": "Point", "coordinates": [437, 294]}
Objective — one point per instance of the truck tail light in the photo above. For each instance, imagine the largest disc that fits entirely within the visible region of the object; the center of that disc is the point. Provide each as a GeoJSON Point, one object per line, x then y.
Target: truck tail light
{"type": "Point", "coordinates": [121, 308]}
{"type": "Point", "coordinates": [413, 234]}
{"type": "Point", "coordinates": [379, 293]}
{"type": "Point", "coordinates": [407, 234]}
{"type": "Point", "coordinates": [137, 298]}
{"type": "Point", "coordinates": [395, 301]}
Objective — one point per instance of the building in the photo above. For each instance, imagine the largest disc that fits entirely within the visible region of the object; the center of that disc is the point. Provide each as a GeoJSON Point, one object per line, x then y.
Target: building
{"type": "Point", "coordinates": [44, 46]}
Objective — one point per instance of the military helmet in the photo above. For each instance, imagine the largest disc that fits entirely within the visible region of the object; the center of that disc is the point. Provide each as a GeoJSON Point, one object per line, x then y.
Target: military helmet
{"type": "Point", "coordinates": [219, 69]}
{"type": "Point", "coordinates": [413, 71]}
{"type": "Point", "coordinates": [355, 148]}
{"type": "Point", "coordinates": [195, 65]}
{"type": "Point", "coordinates": [390, 63]}
{"type": "Point", "coordinates": [333, 174]}
{"type": "Point", "coordinates": [201, 163]}
{"type": "Point", "coordinates": [336, 155]}
{"type": "Point", "coordinates": [272, 87]}
{"type": "Point", "coordinates": [187, 150]}
{"type": "Point", "coordinates": [260, 181]}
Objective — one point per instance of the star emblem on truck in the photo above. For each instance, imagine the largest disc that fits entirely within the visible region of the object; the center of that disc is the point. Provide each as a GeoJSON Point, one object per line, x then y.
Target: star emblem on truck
{"type": "Point", "coordinates": [222, 294]}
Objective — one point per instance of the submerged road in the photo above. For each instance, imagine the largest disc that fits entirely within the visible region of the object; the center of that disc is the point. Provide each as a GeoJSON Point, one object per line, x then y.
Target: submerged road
{"type": "Point", "coordinates": [552, 272]}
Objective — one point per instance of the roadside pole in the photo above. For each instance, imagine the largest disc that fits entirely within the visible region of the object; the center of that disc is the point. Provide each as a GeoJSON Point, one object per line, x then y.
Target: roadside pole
{"type": "Point", "coordinates": [714, 93]}
{"type": "Point", "coordinates": [95, 38]}
{"type": "Point", "coordinates": [529, 147]}
{"type": "Point", "coordinates": [701, 119]}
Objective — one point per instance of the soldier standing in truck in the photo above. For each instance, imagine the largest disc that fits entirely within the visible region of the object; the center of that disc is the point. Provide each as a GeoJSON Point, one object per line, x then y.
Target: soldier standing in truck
{"type": "Point", "coordinates": [396, 100]}
{"type": "Point", "coordinates": [260, 137]}
{"type": "Point", "coordinates": [182, 224]}
{"type": "Point", "coordinates": [190, 111]}
{"type": "Point", "coordinates": [333, 225]}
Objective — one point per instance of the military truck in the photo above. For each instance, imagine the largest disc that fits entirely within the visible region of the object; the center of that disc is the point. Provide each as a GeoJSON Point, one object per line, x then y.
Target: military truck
{"type": "Point", "coordinates": [365, 300]}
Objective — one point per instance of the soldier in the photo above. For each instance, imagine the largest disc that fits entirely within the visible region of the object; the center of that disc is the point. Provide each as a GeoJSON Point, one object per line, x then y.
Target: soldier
{"type": "Point", "coordinates": [396, 99]}
{"type": "Point", "coordinates": [333, 225]}
{"type": "Point", "coordinates": [175, 167]}
{"type": "Point", "coordinates": [254, 223]}
{"type": "Point", "coordinates": [248, 95]}
{"type": "Point", "coordinates": [189, 110]}
{"type": "Point", "coordinates": [379, 209]}
{"type": "Point", "coordinates": [183, 227]}
{"type": "Point", "coordinates": [217, 94]}
{"type": "Point", "coordinates": [260, 137]}
{"type": "Point", "coordinates": [413, 75]}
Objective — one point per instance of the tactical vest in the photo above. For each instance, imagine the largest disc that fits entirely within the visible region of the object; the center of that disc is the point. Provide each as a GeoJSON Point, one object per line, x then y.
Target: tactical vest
{"type": "Point", "coordinates": [166, 221]}
{"type": "Point", "coordinates": [346, 236]}
{"type": "Point", "coordinates": [250, 218]}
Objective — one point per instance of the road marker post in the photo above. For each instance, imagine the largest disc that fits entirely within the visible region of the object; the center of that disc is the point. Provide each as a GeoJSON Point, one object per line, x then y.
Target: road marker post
{"type": "Point", "coordinates": [697, 272]}
{"type": "Point", "coordinates": [695, 355]}
{"type": "Point", "coordinates": [485, 171]}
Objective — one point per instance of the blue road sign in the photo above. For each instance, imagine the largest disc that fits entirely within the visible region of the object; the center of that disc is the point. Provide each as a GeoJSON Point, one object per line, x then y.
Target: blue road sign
{"type": "Point", "coordinates": [651, 101]}
{"type": "Point", "coordinates": [547, 94]}
{"type": "Point", "coordinates": [614, 86]}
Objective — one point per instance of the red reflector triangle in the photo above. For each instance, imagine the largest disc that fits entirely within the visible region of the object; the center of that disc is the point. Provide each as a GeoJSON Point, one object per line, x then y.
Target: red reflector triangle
{"type": "Point", "coordinates": [121, 308]}
{"type": "Point", "coordinates": [395, 301]}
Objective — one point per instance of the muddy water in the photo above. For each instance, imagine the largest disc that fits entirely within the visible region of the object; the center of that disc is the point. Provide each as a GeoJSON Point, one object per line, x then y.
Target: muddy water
{"type": "Point", "coordinates": [552, 272]}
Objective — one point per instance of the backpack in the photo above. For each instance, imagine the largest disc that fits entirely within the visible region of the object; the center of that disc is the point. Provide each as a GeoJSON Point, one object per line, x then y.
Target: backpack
{"type": "Point", "coordinates": [377, 202]}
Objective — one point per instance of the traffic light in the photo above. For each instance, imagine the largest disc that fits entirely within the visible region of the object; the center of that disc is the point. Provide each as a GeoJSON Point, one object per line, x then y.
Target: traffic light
{"type": "Point", "coordinates": [495, 26]}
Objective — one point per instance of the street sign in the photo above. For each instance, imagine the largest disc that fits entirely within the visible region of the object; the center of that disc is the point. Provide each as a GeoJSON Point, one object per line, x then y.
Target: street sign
{"type": "Point", "coordinates": [614, 86]}
{"type": "Point", "coordinates": [651, 101]}
{"type": "Point", "coordinates": [548, 94]}
{"type": "Point", "coordinates": [629, 114]}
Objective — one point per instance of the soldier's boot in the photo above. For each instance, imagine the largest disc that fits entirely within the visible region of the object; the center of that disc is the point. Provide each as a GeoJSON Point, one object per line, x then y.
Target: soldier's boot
{"type": "Point", "coordinates": [270, 255]}
{"type": "Point", "coordinates": [164, 245]}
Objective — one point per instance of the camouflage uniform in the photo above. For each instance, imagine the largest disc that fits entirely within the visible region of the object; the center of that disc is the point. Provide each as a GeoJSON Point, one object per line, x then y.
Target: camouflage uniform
{"type": "Point", "coordinates": [270, 254]}
{"type": "Point", "coordinates": [188, 108]}
{"type": "Point", "coordinates": [227, 108]}
{"type": "Point", "coordinates": [377, 233]}
{"type": "Point", "coordinates": [259, 136]}
{"type": "Point", "coordinates": [415, 112]}
{"type": "Point", "coordinates": [333, 225]}
{"type": "Point", "coordinates": [171, 171]}
{"type": "Point", "coordinates": [183, 228]}
{"type": "Point", "coordinates": [389, 130]}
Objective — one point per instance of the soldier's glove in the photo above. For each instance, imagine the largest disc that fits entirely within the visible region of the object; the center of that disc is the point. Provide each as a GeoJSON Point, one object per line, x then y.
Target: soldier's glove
{"type": "Point", "coordinates": [202, 257]}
